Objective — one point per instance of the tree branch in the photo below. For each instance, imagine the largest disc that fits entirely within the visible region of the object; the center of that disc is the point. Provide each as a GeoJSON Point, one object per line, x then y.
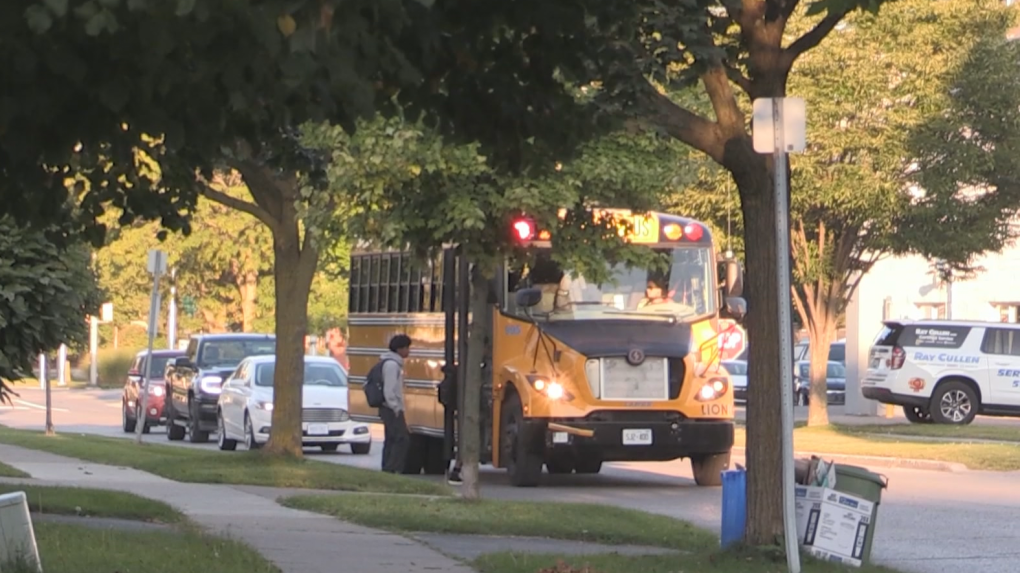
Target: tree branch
{"type": "Point", "coordinates": [724, 102]}
{"type": "Point", "coordinates": [789, 7]}
{"type": "Point", "coordinates": [814, 36]}
{"type": "Point", "coordinates": [240, 205]}
{"type": "Point", "coordinates": [683, 124]}
{"type": "Point", "coordinates": [738, 77]}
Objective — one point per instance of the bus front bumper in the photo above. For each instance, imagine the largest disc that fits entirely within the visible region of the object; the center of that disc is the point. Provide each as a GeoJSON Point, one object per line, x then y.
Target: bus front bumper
{"type": "Point", "coordinates": [638, 441]}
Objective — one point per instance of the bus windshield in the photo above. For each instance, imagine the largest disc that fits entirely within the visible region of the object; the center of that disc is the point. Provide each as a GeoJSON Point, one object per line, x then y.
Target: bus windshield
{"type": "Point", "coordinates": [684, 290]}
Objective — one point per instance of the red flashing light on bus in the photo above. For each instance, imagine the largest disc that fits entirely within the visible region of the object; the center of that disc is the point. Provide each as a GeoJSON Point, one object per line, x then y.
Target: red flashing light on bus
{"type": "Point", "coordinates": [524, 229]}
{"type": "Point", "coordinates": [693, 231]}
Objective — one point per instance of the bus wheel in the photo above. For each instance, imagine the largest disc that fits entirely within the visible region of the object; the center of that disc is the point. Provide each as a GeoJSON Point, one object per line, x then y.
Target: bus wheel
{"type": "Point", "coordinates": [522, 459]}
{"type": "Point", "coordinates": [708, 468]}
{"type": "Point", "coordinates": [416, 452]}
{"type": "Point", "coordinates": [435, 458]}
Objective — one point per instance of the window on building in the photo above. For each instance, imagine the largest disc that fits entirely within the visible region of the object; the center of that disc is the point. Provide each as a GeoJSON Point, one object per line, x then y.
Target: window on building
{"type": "Point", "coordinates": [1008, 312]}
{"type": "Point", "coordinates": [932, 310]}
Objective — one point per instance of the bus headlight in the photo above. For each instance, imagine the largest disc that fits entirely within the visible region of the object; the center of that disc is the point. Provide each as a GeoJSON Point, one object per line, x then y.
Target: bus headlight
{"type": "Point", "coordinates": [712, 390]}
{"type": "Point", "coordinates": [550, 389]}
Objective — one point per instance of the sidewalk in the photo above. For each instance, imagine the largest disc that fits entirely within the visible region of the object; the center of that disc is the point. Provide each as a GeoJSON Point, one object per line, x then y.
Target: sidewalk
{"type": "Point", "coordinates": [295, 541]}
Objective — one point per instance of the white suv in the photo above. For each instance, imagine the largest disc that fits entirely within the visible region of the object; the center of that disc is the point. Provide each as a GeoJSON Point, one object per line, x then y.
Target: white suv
{"type": "Point", "coordinates": [946, 371]}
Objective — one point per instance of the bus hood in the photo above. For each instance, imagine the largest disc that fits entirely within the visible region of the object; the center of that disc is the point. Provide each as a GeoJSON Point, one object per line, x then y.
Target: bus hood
{"type": "Point", "coordinates": [604, 338]}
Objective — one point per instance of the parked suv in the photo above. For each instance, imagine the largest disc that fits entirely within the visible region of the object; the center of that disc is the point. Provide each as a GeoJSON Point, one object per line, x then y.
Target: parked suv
{"type": "Point", "coordinates": [194, 381]}
{"type": "Point", "coordinates": [946, 372]}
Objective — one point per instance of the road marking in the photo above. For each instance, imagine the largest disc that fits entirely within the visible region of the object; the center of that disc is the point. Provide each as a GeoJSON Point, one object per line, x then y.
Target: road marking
{"type": "Point", "coordinates": [38, 407]}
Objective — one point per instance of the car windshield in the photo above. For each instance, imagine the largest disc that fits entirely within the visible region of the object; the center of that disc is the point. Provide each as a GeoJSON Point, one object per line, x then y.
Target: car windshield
{"type": "Point", "coordinates": [316, 374]}
{"type": "Point", "coordinates": [836, 371]}
{"type": "Point", "coordinates": [736, 368]}
{"type": "Point", "coordinates": [683, 290]}
{"type": "Point", "coordinates": [229, 353]}
{"type": "Point", "coordinates": [158, 367]}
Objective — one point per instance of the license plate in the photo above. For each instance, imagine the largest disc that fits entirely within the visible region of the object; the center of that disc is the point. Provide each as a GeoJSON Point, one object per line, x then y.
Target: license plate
{"type": "Point", "coordinates": [318, 430]}
{"type": "Point", "coordinates": [637, 437]}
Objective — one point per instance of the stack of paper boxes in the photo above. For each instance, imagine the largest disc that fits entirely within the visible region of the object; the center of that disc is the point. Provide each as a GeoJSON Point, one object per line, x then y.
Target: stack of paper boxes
{"type": "Point", "coordinates": [831, 525]}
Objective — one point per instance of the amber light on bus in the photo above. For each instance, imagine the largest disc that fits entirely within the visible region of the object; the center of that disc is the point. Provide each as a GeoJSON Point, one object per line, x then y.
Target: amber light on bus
{"type": "Point", "coordinates": [712, 390]}
{"type": "Point", "coordinates": [551, 389]}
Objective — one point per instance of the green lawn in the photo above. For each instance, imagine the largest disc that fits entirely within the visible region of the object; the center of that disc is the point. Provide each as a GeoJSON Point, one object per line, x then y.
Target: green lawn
{"type": "Point", "coordinates": [941, 431]}
{"type": "Point", "coordinates": [202, 466]}
{"type": "Point", "coordinates": [847, 440]}
{"type": "Point", "coordinates": [79, 549]}
{"type": "Point", "coordinates": [94, 503]}
{"type": "Point", "coordinates": [705, 561]}
{"type": "Point", "coordinates": [573, 521]}
{"type": "Point", "coordinates": [9, 472]}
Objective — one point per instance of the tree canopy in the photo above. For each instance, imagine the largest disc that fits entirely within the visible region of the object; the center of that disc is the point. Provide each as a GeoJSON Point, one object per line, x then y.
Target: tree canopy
{"type": "Point", "coordinates": [46, 293]}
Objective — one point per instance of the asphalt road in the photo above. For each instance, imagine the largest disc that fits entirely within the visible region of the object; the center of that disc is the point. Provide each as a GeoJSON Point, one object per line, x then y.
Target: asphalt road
{"type": "Point", "coordinates": [929, 522]}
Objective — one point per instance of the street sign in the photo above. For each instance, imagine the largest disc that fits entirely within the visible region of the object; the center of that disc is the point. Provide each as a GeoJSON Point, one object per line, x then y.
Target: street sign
{"type": "Point", "coordinates": [106, 312]}
{"type": "Point", "coordinates": [792, 136]}
{"type": "Point", "coordinates": [732, 339]}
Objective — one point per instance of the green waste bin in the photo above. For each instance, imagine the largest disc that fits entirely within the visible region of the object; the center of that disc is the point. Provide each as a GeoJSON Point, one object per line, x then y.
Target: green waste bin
{"type": "Point", "coordinates": [866, 484]}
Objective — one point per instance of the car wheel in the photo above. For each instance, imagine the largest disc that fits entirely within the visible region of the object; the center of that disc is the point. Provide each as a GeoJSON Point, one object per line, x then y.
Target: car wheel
{"type": "Point", "coordinates": [195, 433]}
{"type": "Point", "coordinates": [954, 402]}
{"type": "Point", "coordinates": [917, 415]}
{"type": "Point", "coordinates": [329, 447]}
{"type": "Point", "coordinates": [249, 434]}
{"type": "Point", "coordinates": [361, 449]}
{"type": "Point", "coordinates": [174, 432]}
{"type": "Point", "coordinates": [224, 443]}
{"type": "Point", "coordinates": [126, 421]}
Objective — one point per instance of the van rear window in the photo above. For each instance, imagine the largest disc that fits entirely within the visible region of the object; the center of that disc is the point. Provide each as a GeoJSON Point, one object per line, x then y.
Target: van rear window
{"type": "Point", "coordinates": [933, 336]}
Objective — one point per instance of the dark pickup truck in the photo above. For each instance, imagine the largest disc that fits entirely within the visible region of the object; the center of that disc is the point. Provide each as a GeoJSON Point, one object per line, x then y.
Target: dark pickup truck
{"type": "Point", "coordinates": [194, 381]}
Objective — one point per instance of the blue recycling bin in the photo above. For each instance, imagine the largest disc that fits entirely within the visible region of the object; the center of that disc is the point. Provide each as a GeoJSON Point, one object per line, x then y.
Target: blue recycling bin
{"type": "Point", "coordinates": [734, 507]}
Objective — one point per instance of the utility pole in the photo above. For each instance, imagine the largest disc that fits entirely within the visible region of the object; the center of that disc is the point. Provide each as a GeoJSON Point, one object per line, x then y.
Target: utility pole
{"type": "Point", "coordinates": [156, 267]}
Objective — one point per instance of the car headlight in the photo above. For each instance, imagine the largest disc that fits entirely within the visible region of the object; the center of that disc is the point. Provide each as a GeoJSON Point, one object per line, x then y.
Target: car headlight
{"type": "Point", "coordinates": [155, 390]}
{"type": "Point", "coordinates": [211, 384]}
{"type": "Point", "coordinates": [550, 388]}
{"type": "Point", "coordinates": [267, 406]}
{"type": "Point", "coordinates": [712, 390]}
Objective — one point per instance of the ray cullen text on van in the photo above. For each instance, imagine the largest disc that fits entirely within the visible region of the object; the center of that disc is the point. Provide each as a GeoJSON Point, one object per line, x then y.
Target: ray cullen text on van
{"type": "Point", "coordinates": [943, 357]}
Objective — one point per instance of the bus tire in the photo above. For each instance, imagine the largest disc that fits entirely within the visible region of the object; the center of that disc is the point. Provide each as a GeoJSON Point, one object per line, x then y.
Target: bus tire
{"type": "Point", "coordinates": [416, 451]}
{"type": "Point", "coordinates": [521, 458]}
{"type": "Point", "coordinates": [708, 468]}
{"type": "Point", "coordinates": [435, 460]}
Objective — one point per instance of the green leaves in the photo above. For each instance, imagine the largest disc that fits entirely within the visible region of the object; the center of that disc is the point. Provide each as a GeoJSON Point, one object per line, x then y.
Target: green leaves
{"type": "Point", "coordinates": [39, 19]}
{"type": "Point", "coordinates": [46, 293]}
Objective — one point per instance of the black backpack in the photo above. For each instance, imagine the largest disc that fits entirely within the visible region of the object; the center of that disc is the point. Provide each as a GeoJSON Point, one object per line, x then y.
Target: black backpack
{"type": "Point", "coordinates": [374, 385]}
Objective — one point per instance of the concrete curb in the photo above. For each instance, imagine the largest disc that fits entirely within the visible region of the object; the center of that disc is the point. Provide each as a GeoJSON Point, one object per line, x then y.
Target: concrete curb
{"type": "Point", "coordinates": [882, 461]}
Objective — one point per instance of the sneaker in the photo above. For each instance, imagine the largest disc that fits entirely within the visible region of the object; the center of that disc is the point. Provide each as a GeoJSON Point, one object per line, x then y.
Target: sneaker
{"type": "Point", "coordinates": [454, 478]}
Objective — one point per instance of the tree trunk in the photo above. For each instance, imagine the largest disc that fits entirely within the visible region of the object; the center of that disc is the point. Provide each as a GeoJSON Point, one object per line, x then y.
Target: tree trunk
{"type": "Point", "coordinates": [764, 417]}
{"type": "Point", "coordinates": [248, 287]}
{"type": "Point", "coordinates": [471, 438]}
{"type": "Point", "coordinates": [294, 268]}
{"type": "Point", "coordinates": [820, 334]}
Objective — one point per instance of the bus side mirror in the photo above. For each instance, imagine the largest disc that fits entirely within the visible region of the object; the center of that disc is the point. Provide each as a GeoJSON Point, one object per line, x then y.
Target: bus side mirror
{"type": "Point", "coordinates": [733, 278]}
{"type": "Point", "coordinates": [528, 297]}
{"type": "Point", "coordinates": [736, 308]}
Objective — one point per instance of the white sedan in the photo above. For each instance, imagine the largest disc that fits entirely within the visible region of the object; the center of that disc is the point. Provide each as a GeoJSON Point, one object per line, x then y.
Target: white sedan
{"type": "Point", "coordinates": [245, 408]}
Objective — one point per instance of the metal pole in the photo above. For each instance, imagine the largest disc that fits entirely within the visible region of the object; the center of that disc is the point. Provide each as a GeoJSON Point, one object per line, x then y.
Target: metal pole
{"type": "Point", "coordinates": [49, 399]}
{"type": "Point", "coordinates": [62, 365]}
{"type": "Point", "coordinates": [93, 351]}
{"type": "Point", "coordinates": [785, 335]}
{"type": "Point", "coordinates": [949, 297]}
{"type": "Point", "coordinates": [143, 399]}
{"type": "Point", "coordinates": [171, 322]}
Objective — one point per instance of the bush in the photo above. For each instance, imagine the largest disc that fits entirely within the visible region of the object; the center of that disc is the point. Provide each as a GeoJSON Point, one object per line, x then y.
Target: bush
{"type": "Point", "coordinates": [113, 365]}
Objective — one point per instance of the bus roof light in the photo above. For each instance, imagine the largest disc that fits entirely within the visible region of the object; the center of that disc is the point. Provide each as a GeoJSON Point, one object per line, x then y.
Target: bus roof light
{"type": "Point", "coordinates": [694, 231]}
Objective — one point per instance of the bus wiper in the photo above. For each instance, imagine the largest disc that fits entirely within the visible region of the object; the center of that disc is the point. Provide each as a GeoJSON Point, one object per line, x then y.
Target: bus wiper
{"type": "Point", "coordinates": [668, 317]}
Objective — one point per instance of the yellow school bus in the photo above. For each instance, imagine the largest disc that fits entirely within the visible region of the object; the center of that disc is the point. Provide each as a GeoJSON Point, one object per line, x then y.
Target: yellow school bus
{"type": "Point", "coordinates": [575, 373]}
